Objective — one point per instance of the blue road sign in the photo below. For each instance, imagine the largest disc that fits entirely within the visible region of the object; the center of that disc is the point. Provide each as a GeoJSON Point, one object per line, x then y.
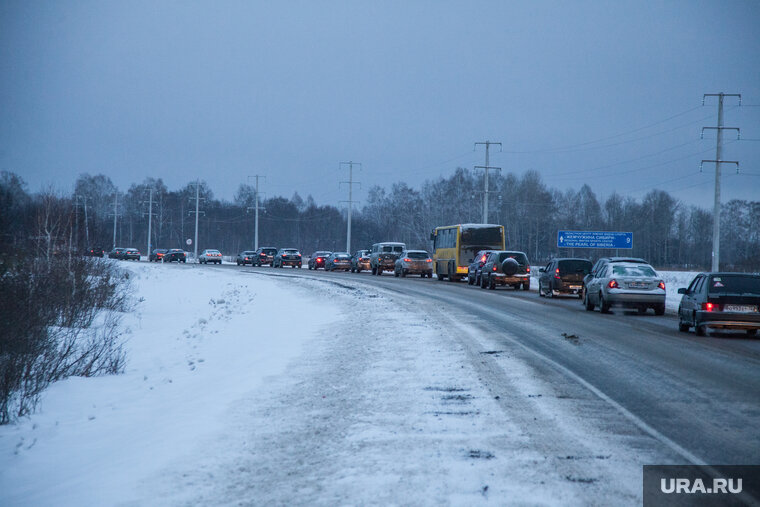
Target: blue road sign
{"type": "Point", "coordinates": [594, 239]}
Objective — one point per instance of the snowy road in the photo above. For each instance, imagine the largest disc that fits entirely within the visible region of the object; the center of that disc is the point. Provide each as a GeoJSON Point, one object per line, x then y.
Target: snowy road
{"type": "Point", "coordinates": [333, 388]}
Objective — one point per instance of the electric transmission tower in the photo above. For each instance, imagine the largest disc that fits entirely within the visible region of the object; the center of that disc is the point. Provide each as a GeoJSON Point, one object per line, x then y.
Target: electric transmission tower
{"type": "Point", "coordinates": [486, 168]}
{"type": "Point", "coordinates": [350, 200]}
{"type": "Point", "coordinates": [718, 161]}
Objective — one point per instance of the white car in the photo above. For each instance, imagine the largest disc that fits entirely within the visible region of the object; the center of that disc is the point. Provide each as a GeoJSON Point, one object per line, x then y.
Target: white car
{"type": "Point", "coordinates": [212, 256]}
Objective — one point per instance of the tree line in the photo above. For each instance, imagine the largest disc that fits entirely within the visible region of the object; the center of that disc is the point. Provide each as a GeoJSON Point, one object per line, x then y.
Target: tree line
{"type": "Point", "coordinates": [667, 232]}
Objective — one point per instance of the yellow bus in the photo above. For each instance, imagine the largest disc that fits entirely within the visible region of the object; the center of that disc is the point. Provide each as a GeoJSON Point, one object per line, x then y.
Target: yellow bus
{"type": "Point", "coordinates": [455, 246]}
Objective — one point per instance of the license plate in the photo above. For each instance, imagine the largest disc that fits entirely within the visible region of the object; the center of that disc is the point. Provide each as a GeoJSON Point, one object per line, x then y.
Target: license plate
{"type": "Point", "coordinates": [740, 308]}
{"type": "Point", "coordinates": [575, 286]}
{"type": "Point", "coordinates": [637, 285]}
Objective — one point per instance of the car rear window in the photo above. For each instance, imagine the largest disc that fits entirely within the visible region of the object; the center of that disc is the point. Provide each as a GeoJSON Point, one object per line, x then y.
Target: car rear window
{"type": "Point", "coordinates": [518, 256]}
{"type": "Point", "coordinates": [734, 284]}
{"type": "Point", "coordinates": [417, 255]}
{"type": "Point", "coordinates": [397, 248]}
{"type": "Point", "coordinates": [343, 256]}
{"type": "Point", "coordinates": [269, 251]}
{"type": "Point", "coordinates": [628, 270]}
{"type": "Point", "coordinates": [574, 266]}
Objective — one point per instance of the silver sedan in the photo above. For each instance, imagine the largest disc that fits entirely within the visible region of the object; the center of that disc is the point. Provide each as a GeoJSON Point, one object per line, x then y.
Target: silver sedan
{"type": "Point", "coordinates": [628, 285]}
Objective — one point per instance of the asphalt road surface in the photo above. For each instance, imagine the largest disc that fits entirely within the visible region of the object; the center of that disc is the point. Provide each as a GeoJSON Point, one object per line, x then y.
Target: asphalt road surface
{"type": "Point", "coordinates": [698, 396]}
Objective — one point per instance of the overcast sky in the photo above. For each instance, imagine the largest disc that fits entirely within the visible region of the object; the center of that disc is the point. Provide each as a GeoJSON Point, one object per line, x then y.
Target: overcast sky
{"type": "Point", "coordinates": [607, 93]}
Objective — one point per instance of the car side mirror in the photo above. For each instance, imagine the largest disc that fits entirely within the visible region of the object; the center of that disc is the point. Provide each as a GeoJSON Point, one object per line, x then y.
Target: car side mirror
{"type": "Point", "coordinates": [683, 291]}
{"type": "Point", "coordinates": [542, 270]}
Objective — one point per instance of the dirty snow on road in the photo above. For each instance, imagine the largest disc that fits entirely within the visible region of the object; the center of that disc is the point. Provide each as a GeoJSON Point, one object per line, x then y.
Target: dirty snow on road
{"type": "Point", "coordinates": [257, 387]}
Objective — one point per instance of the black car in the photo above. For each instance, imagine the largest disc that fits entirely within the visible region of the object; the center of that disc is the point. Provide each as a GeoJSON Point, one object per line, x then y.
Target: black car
{"type": "Point", "coordinates": [563, 276]}
{"type": "Point", "coordinates": [338, 261]}
{"type": "Point", "coordinates": [317, 259]}
{"type": "Point", "coordinates": [720, 301]}
{"type": "Point", "coordinates": [360, 261]}
{"type": "Point", "coordinates": [174, 255]}
{"type": "Point", "coordinates": [476, 266]}
{"type": "Point", "coordinates": [131, 254]}
{"type": "Point", "coordinates": [245, 257]}
{"type": "Point", "coordinates": [287, 257]}
{"type": "Point", "coordinates": [116, 253]}
{"type": "Point", "coordinates": [264, 256]}
{"type": "Point", "coordinates": [505, 267]}
{"type": "Point", "coordinates": [94, 252]}
{"type": "Point", "coordinates": [156, 255]}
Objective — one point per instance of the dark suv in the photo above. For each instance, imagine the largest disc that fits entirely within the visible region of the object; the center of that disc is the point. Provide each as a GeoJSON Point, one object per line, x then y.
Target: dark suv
{"type": "Point", "coordinates": [563, 276]}
{"type": "Point", "coordinates": [287, 257]}
{"type": "Point", "coordinates": [264, 256]}
{"type": "Point", "coordinates": [506, 267]}
{"type": "Point", "coordinates": [383, 256]}
{"type": "Point", "coordinates": [476, 266]}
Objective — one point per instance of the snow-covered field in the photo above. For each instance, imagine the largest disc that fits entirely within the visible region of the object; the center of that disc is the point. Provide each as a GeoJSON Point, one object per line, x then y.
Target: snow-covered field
{"type": "Point", "coordinates": [243, 388]}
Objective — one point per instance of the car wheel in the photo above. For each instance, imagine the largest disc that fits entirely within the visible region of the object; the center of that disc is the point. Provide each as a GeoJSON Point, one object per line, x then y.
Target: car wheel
{"type": "Point", "coordinates": [403, 273]}
{"type": "Point", "coordinates": [659, 309]}
{"type": "Point", "coordinates": [751, 332]}
{"type": "Point", "coordinates": [395, 273]}
{"type": "Point", "coordinates": [470, 280]}
{"type": "Point", "coordinates": [526, 285]}
{"type": "Point", "coordinates": [641, 309]}
{"type": "Point", "coordinates": [491, 283]}
{"type": "Point", "coordinates": [700, 330]}
{"type": "Point", "coordinates": [482, 282]}
{"type": "Point", "coordinates": [604, 306]}
{"type": "Point", "coordinates": [683, 326]}
{"type": "Point", "coordinates": [587, 304]}
{"type": "Point", "coordinates": [540, 290]}
{"type": "Point", "coordinates": [374, 271]}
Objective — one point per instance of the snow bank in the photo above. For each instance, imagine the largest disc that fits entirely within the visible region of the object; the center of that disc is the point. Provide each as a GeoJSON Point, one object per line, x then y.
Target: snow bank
{"type": "Point", "coordinates": [198, 341]}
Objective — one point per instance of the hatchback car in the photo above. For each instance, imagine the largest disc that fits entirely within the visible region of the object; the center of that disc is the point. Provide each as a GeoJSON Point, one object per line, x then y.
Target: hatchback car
{"type": "Point", "coordinates": [318, 258]}
{"type": "Point", "coordinates": [626, 284]}
{"type": "Point", "coordinates": [563, 276]}
{"type": "Point", "coordinates": [414, 262]}
{"type": "Point", "coordinates": [287, 257]}
{"type": "Point", "coordinates": [156, 255]}
{"type": "Point", "coordinates": [210, 256]}
{"type": "Point", "coordinates": [174, 254]}
{"type": "Point", "coordinates": [245, 257]}
{"type": "Point", "coordinates": [505, 267]}
{"type": "Point", "coordinates": [338, 261]}
{"type": "Point", "coordinates": [720, 301]}
{"type": "Point", "coordinates": [360, 261]}
{"type": "Point", "coordinates": [131, 254]}
{"type": "Point", "coordinates": [476, 267]}
{"type": "Point", "coordinates": [264, 256]}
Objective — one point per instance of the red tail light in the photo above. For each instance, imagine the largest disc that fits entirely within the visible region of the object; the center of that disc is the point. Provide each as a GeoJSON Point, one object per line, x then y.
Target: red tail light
{"type": "Point", "coordinates": [246, 258]}
{"type": "Point", "coordinates": [407, 260]}
{"type": "Point", "coordinates": [429, 260]}
{"type": "Point", "coordinates": [527, 269]}
{"type": "Point", "coordinates": [494, 268]}
{"type": "Point", "coordinates": [613, 284]}
{"type": "Point", "coordinates": [483, 259]}
{"type": "Point", "coordinates": [556, 273]}
{"type": "Point", "coordinates": [709, 307]}
{"type": "Point", "coordinates": [335, 260]}
{"type": "Point", "coordinates": [661, 285]}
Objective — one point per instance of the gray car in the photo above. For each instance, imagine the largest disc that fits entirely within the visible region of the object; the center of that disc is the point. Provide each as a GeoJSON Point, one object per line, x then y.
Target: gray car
{"type": "Point", "coordinates": [626, 284]}
{"type": "Point", "coordinates": [414, 262]}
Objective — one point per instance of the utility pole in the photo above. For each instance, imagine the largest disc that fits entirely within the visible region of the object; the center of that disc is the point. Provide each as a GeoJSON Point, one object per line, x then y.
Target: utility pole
{"type": "Point", "coordinates": [115, 212]}
{"type": "Point", "coordinates": [197, 212]}
{"type": "Point", "coordinates": [84, 198]}
{"type": "Point", "coordinates": [718, 161]}
{"type": "Point", "coordinates": [486, 168]}
{"type": "Point", "coordinates": [256, 208]}
{"type": "Point", "coordinates": [150, 216]}
{"type": "Point", "coordinates": [350, 200]}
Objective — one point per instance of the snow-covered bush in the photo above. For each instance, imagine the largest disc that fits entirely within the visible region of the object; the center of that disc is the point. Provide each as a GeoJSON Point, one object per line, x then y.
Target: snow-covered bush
{"type": "Point", "coordinates": [58, 318]}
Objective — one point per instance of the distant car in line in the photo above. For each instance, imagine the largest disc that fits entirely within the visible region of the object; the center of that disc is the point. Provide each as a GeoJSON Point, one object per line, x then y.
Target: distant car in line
{"type": "Point", "coordinates": [338, 261]}
{"type": "Point", "coordinates": [174, 254]}
{"type": "Point", "coordinates": [264, 256]}
{"type": "Point", "coordinates": [210, 255]}
{"type": "Point", "coordinates": [414, 262]}
{"type": "Point", "coordinates": [563, 276]}
{"type": "Point", "coordinates": [506, 267]}
{"type": "Point", "coordinates": [116, 253]}
{"type": "Point", "coordinates": [476, 266]}
{"type": "Point", "coordinates": [94, 251]}
{"type": "Point", "coordinates": [728, 301]}
{"type": "Point", "coordinates": [287, 257]}
{"type": "Point", "coordinates": [360, 261]}
{"type": "Point", "coordinates": [317, 259]}
{"type": "Point", "coordinates": [156, 255]}
{"type": "Point", "coordinates": [245, 257]}
{"type": "Point", "coordinates": [626, 284]}
{"type": "Point", "coordinates": [131, 254]}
